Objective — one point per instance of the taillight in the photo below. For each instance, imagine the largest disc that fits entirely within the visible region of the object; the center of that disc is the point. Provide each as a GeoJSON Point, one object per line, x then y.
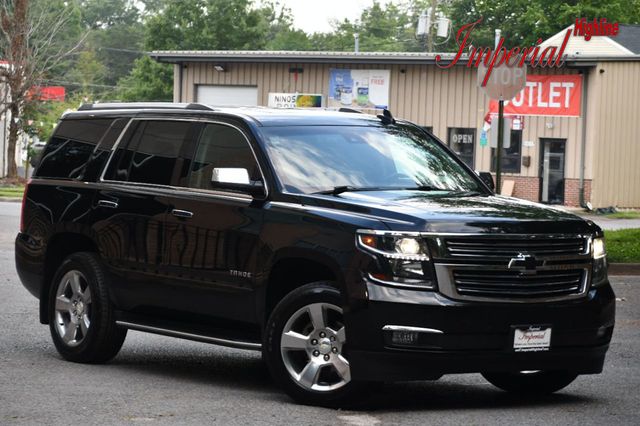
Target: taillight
{"type": "Point", "coordinates": [24, 197]}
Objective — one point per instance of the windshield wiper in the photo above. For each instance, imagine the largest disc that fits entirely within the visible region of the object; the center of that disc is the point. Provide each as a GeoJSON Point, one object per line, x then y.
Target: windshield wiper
{"type": "Point", "coordinates": [336, 190]}
{"type": "Point", "coordinates": [428, 188]}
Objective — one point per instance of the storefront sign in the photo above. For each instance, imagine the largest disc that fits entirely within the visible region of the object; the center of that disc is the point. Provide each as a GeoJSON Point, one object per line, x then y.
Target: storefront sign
{"type": "Point", "coordinates": [294, 100]}
{"type": "Point", "coordinates": [361, 89]}
{"type": "Point", "coordinates": [47, 93]}
{"type": "Point", "coordinates": [535, 56]}
{"type": "Point", "coordinates": [548, 95]}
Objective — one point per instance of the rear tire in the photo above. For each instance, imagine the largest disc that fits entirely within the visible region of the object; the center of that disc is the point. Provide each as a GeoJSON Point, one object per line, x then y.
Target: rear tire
{"type": "Point", "coordinates": [531, 383]}
{"type": "Point", "coordinates": [305, 347]}
{"type": "Point", "coordinates": [81, 316]}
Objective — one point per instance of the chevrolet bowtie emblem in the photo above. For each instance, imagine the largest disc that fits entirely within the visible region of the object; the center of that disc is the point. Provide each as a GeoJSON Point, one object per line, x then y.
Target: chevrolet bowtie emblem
{"type": "Point", "coordinates": [525, 263]}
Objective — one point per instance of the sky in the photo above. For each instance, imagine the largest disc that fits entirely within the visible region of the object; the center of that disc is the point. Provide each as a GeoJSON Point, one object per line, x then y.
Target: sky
{"type": "Point", "coordinates": [314, 16]}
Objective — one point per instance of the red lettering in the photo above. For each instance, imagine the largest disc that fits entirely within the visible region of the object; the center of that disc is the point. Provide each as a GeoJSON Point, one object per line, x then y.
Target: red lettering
{"type": "Point", "coordinates": [462, 39]}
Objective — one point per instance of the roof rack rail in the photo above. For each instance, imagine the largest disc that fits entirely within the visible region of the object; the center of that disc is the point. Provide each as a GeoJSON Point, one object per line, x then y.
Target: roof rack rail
{"type": "Point", "coordinates": [143, 105]}
{"type": "Point", "coordinates": [355, 111]}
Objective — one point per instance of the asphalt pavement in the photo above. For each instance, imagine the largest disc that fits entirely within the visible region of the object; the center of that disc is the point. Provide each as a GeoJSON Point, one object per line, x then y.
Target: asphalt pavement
{"type": "Point", "coordinates": [159, 380]}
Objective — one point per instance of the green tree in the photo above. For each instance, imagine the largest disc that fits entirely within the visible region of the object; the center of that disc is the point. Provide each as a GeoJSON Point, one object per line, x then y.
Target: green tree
{"type": "Point", "coordinates": [148, 81]}
{"type": "Point", "coordinates": [204, 25]}
{"type": "Point", "coordinates": [35, 40]}
{"type": "Point", "coordinates": [207, 25]}
{"type": "Point", "coordinates": [88, 71]}
{"type": "Point", "coordinates": [523, 22]}
{"type": "Point", "coordinates": [98, 14]}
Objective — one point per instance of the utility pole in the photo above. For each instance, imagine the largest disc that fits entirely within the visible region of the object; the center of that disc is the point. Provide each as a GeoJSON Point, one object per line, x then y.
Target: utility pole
{"type": "Point", "coordinates": [430, 30]}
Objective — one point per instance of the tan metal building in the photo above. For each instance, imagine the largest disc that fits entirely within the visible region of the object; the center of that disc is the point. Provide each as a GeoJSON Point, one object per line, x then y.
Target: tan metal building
{"type": "Point", "coordinates": [592, 157]}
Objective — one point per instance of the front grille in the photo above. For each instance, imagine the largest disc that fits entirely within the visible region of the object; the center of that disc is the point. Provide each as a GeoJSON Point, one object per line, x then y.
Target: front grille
{"type": "Point", "coordinates": [511, 247]}
{"type": "Point", "coordinates": [514, 284]}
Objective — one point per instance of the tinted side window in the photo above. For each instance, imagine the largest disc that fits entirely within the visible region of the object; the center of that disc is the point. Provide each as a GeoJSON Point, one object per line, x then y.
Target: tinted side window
{"type": "Point", "coordinates": [71, 147]}
{"type": "Point", "coordinates": [221, 146]}
{"type": "Point", "coordinates": [151, 154]}
{"type": "Point", "coordinates": [101, 154]}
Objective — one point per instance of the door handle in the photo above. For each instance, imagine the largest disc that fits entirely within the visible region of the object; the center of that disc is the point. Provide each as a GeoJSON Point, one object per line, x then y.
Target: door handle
{"type": "Point", "coordinates": [181, 213]}
{"type": "Point", "coordinates": [108, 204]}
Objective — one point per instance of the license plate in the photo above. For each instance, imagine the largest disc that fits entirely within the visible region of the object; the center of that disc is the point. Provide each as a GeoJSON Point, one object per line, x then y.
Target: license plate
{"type": "Point", "coordinates": [532, 339]}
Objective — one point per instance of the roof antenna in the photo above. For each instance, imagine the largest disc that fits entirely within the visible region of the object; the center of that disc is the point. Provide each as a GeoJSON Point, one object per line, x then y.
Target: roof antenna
{"type": "Point", "coordinates": [386, 117]}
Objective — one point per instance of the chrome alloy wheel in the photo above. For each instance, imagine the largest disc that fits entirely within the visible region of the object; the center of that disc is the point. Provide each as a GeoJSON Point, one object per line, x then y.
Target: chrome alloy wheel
{"type": "Point", "coordinates": [73, 308]}
{"type": "Point", "coordinates": [312, 344]}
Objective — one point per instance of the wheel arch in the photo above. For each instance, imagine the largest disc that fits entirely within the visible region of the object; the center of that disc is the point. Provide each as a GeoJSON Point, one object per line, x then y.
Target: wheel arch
{"type": "Point", "coordinates": [59, 247]}
{"type": "Point", "coordinates": [293, 268]}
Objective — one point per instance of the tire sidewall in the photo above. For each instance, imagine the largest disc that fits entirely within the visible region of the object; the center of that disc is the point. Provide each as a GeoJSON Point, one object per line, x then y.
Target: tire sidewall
{"type": "Point", "coordinates": [318, 292]}
{"type": "Point", "coordinates": [94, 281]}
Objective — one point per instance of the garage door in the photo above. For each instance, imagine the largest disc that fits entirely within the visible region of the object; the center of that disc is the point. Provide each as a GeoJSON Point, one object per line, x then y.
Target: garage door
{"type": "Point", "coordinates": [228, 95]}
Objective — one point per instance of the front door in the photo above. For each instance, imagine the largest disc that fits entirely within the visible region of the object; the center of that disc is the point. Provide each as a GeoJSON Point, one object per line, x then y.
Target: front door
{"type": "Point", "coordinates": [552, 153]}
{"type": "Point", "coordinates": [211, 236]}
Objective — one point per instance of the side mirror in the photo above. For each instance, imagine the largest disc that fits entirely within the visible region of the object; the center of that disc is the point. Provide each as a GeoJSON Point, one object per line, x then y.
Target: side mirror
{"type": "Point", "coordinates": [487, 179]}
{"type": "Point", "coordinates": [237, 179]}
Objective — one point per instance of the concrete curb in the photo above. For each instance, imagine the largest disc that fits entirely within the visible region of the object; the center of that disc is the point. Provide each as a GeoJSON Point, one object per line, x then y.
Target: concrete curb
{"type": "Point", "coordinates": [624, 269]}
{"type": "Point", "coordinates": [11, 199]}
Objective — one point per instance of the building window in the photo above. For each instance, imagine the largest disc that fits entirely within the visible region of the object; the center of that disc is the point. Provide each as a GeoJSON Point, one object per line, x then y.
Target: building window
{"type": "Point", "coordinates": [462, 140]}
{"type": "Point", "coordinates": [510, 156]}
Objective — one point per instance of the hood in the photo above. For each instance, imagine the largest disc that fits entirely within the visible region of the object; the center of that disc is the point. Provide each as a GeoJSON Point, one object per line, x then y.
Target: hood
{"type": "Point", "coordinates": [439, 212]}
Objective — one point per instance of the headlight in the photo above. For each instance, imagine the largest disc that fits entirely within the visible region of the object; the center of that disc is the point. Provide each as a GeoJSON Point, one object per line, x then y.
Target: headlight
{"type": "Point", "coordinates": [599, 253]}
{"type": "Point", "coordinates": [403, 260]}
{"type": "Point", "coordinates": [598, 248]}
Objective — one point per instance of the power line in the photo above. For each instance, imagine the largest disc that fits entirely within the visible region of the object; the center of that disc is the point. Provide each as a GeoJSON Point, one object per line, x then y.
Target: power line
{"type": "Point", "coordinates": [73, 83]}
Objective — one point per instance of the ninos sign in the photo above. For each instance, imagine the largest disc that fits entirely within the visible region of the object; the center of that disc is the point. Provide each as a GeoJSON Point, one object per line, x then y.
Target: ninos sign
{"type": "Point", "coordinates": [294, 100]}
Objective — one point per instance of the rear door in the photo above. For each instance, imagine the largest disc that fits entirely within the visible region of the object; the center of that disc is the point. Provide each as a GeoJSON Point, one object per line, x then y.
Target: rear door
{"type": "Point", "coordinates": [211, 236]}
{"type": "Point", "coordinates": [130, 209]}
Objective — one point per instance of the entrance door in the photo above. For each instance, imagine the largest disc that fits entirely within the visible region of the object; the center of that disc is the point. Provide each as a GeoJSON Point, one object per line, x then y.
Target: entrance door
{"type": "Point", "coordinates": [552, 153]}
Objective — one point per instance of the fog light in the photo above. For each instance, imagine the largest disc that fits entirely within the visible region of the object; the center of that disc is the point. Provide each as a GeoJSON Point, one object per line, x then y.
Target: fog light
{"type": "Point", "coordinates": [404, 337]}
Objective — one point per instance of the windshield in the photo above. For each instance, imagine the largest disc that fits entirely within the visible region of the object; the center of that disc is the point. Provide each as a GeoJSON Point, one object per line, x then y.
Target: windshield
{"type": "Point", "coordinates": [310, 159]}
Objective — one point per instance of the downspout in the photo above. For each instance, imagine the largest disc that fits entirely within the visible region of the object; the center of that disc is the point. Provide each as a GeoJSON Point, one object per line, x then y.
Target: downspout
{"type": "Point", "coordinates": [180, 65]}
{"type": "Point", "coordinates": [583, 145]}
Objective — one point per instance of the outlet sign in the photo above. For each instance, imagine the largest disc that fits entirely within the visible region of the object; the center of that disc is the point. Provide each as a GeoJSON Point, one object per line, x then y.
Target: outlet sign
{"type": "Point", "coordinates": [546, 95]}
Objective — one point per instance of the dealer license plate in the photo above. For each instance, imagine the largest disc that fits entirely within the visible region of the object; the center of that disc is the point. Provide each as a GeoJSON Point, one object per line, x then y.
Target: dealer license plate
{"type": "Point", "coordinates": [532, 339]}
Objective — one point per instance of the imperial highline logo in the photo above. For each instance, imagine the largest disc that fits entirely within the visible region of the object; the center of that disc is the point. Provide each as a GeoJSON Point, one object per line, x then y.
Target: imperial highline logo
{"type": "Point", "coordinates": [534, 56]}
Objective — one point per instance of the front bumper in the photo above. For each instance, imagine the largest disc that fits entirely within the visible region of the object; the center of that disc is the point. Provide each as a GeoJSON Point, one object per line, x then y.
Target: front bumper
{"type": "Point", "coordinates": [475, 336]}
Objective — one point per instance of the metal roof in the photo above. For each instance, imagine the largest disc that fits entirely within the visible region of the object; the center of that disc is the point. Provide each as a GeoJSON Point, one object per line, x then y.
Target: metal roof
{"type": "Point", "coordinates": [174, 56]}
{"type": "Point", "coordinates": [293, 56]}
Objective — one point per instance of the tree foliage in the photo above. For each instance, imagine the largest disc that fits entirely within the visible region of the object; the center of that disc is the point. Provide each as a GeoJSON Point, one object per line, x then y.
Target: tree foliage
{"type": "Point", "coordinates": [523, 22]}
{"type": "Point", "coordinates": [148, 81]}
{"type": "Point", "coordinates": [34, 44]}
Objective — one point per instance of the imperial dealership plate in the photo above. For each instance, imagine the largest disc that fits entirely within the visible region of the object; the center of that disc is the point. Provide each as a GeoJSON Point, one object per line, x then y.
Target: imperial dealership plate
{"type": "Point", "coordinates": [532, 339]}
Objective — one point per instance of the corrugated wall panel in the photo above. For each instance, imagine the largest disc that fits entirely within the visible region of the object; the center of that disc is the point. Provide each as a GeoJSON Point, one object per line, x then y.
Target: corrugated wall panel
{"type": "Point", "coordinates": [616, 150]}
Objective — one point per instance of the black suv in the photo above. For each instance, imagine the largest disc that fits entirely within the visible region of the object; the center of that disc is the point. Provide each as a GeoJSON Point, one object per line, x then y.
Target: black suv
{"type": "Point", "coordinates": [348, 248]}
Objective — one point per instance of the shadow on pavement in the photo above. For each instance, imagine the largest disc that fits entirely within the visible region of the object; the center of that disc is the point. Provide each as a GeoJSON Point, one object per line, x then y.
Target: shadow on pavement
{"type": "Point", "coordinates": [245, 371]}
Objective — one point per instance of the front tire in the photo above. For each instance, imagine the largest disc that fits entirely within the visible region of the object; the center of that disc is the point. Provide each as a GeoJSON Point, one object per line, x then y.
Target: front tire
{"type": "Point", "coordinates": [531, 383]}
{"type": "Point", "coordinates": [81, 316]}
{"type": "Point", "coordinates": [305, 346]}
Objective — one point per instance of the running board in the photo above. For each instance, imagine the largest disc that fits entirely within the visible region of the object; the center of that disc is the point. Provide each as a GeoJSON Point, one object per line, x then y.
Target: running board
{"type": "Point", "coordinates": [190, 336]}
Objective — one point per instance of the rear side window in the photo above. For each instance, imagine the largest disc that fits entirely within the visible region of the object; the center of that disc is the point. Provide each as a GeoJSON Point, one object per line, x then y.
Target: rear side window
{"type": "Point", "coordinates": [69, 149]}
{"type": "Point", "coordinates": [151, 154]}
{"type": "Point", "coordinates": [101, 154]}
{"type": "Point", "coordinates": [221, 146]}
